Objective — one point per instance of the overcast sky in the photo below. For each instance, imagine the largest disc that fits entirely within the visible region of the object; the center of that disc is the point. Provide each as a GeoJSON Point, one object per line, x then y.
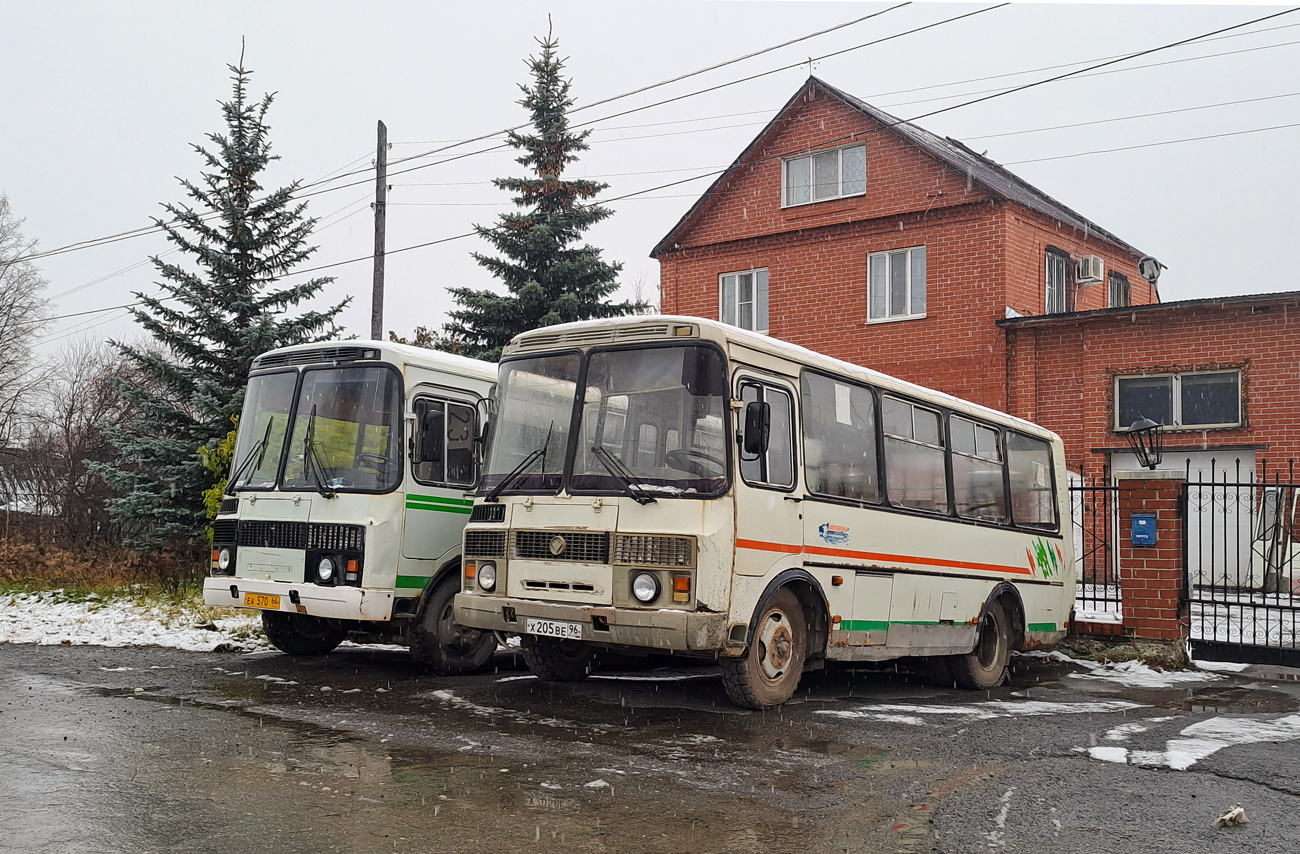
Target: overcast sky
{"type": "Point", "coordinates": [102, 101]}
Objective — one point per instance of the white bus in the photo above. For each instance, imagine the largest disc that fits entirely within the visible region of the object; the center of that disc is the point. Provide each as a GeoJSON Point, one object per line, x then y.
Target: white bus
{"type": "Point", "coordinates": [680, 485]}
{"type": "Point", "coordinates": [351, 481]}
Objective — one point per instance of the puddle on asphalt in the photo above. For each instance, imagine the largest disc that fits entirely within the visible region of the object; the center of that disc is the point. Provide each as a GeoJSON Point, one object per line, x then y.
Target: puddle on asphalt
{"type": "Point", "coordinates": [1229, 700]}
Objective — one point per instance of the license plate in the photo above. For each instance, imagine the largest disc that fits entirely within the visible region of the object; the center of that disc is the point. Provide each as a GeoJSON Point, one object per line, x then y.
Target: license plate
{"type": "Point", "coordinates": [553, 628]}
{"type": "Point", "coordinates": [261, 600]}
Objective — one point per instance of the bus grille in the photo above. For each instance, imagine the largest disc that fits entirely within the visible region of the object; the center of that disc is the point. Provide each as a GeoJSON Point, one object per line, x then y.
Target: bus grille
{"type": "Point", "coordinates": [225, 530]}
{"type": "Point", "coordinates": [579, 547]}
{"type": "Point", "coordinates": [488, 513]}
{"type": "Point", "coordinates": [273, 535]}
{"type": "Point", "coordinates": [336, 538]}
{"type": "Point", "coordinates": [307, 357]}
{"type": "Point", "coordinates": [643, 550]}
{"type": "Point", "coordinates": [485, 544]}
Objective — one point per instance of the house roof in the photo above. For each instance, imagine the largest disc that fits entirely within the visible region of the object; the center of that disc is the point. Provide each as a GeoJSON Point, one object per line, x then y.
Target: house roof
{"type": "Point", "coordinates": [1066, 318]}
{"type": "Point", "coordinates": [979, 169]}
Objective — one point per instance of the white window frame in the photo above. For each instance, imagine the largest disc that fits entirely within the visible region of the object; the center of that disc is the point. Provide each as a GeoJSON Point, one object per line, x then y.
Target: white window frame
{"type": "Point", "coordinates": [909, 312]}
{"type": "Point", "coordinates": [812, 177]}
{"type": "Point", "coordinates": [736, 303]}
{"type": "Point", "coordinates": [1067, 280]}
{"type": "Point", "coordinates": [1112, 280]}
{"type": "Point", "coordinates": [1177, 399]}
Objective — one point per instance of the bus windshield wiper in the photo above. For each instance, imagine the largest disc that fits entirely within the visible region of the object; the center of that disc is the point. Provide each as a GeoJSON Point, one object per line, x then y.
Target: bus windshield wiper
{"type": "Point", "coordinates": [518, 470]}
{"type": "Point", "coordinates": [254, 453]}
{"type": "Point", "coordinates": [622, 474]}
{"type": "Point", "coordinates": [311, 458]}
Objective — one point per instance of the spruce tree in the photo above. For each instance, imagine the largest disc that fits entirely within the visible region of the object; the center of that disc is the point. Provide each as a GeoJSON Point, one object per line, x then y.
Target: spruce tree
{"type": "Point", "coordinates": [549, 279]}
{"type": "Point", "coordinates": [216, 310]}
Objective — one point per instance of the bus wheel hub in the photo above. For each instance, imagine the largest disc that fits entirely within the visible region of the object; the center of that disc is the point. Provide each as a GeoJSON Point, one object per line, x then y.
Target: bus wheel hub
{"type": "Point", "coordinates": [778, 645]}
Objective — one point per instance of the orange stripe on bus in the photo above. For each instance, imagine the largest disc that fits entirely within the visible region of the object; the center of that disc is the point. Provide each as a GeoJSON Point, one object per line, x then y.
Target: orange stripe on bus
{"type": "Point", "coordinates": [875, 557]}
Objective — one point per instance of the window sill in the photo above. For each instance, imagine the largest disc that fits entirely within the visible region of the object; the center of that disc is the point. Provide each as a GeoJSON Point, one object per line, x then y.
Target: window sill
{"type": "Point", "coordinates": [1180, 428]}
{"type": "Point", "coordinates": [820, 206]}
{"type": "Point", "coordinates": [899, 319]}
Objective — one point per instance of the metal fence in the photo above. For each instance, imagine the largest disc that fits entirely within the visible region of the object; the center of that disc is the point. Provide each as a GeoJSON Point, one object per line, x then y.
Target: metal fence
{"type": "Point", "coordinates": [1093, 522]}
{"type": "Point", "coordinates": [1241, 554]}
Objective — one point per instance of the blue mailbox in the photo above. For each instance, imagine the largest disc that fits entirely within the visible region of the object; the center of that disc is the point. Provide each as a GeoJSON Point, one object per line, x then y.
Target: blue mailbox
{"type": "Point", "coordinates": [1144, 529]}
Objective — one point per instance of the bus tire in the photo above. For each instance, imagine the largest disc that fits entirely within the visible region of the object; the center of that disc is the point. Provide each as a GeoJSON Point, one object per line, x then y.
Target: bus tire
{"type": "Point", "coordinates": [985, 666]}
{"type": "Point", "coordinates": [769, 671]}
{"type": "Point", "coordinates": [555, 660]}
{"type": "Point", "coordinates": [301, 634]}
{"type": "Point", "coordinates": [442, 645]}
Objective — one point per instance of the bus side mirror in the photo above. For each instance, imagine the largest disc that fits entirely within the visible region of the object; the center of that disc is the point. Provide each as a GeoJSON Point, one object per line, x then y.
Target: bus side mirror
{"type": "Point", "coordinates": [433, 437]}
{"type": "Point", "coordinates": [758, 427]}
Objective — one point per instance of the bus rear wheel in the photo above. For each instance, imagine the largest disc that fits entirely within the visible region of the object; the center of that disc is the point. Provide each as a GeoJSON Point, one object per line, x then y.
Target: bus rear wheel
{"type": "Point", "coordinates": [985, 666]}
{"type": "Point", "coordinates": [555, 660]}
{"type": "Point", "coordinates": [301, 634]}
{"type": "Point", "coordinates": [444, 646]}
{"type": "Point", "coordinates": [769, 672]}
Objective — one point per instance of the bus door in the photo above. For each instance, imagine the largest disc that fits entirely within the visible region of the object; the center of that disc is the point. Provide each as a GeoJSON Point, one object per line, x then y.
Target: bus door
{"type": "Point", "coordinates": [443, 472]}
{"type": "Point", "coordinates": [840, 532]}
{"type": "Point", "coordinates": [768, 525]}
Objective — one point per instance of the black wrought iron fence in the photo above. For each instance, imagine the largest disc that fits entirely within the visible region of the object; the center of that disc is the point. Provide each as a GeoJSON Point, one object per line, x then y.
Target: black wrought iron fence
{"type": "Point", "coordinates": [1093, 522]}
{"type": "Point", "coordinates": [1241, 553]}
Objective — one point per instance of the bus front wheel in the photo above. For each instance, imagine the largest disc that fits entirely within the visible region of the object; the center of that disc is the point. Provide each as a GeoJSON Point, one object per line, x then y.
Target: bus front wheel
{"type": "Point", "coordinates": [768, 674]}
{"type": "Point", "coordinates": [986, 665]}
{"type": "Point", "coordinates": [555, 660]}
{"type": "Point", "coordinates": [444, 646]}
{"type": "Point", "coordinates": [301, 634]}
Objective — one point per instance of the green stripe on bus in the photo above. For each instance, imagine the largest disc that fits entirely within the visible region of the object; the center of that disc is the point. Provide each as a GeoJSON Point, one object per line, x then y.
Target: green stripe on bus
{"type": "Point", "coordinates": [1042, 627]}
{"type": "Point", "coordinates": [411, 582]}
{"type": "Point", "coordinates": [864, 625]}
{"type": "Point", "coordinates": [438, 508]}
{"type": "Point", "coordinates": [434, 499]}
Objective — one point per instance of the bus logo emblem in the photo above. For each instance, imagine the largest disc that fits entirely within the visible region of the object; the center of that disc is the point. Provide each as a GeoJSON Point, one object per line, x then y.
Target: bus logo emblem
{"type": "Point", "coordinates": [557, 546]}
{"type": "Point", "coordinates": [834, 534]}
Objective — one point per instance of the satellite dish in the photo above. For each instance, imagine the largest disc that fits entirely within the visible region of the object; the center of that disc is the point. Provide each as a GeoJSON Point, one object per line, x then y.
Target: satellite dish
{"type": "Point", "coordinates": [1150, 268]}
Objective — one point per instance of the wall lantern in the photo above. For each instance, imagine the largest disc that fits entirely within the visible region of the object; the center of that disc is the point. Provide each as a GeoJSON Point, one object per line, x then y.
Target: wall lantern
{"type": "Point", "coordinates": [1147, 440]}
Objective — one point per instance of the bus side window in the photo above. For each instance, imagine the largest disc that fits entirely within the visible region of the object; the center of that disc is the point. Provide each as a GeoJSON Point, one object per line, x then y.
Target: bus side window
{"type": "Point", "coordinates": [1033, 496]}
{"type": "Point", "coordinates": [460, 421]}
{"type": "Point", "coordinates": [915, 460]}
{"type": "Point", "coordinates": [977, 482]}
{"type": "Point", "coordinates": [839, 430]}
{"type": "Point", "coordinates": [775, 466]}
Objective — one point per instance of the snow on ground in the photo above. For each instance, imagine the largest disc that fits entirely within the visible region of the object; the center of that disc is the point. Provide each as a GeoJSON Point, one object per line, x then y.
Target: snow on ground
{"type": "Point", "coordinates": [1133, 674]}
{"type": "Point", "coordinates": [52, 618]}
{"type": "Point", "coordinates": [1201, 739]}
{"type": "Point", "coordinates": [916, 715]}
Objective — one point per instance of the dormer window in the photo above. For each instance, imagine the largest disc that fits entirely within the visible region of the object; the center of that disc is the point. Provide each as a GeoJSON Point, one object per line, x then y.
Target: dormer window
{"type": "Point", "coordinates": [830, 174]}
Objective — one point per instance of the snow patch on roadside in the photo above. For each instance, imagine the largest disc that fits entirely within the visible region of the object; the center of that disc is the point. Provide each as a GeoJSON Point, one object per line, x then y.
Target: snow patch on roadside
{"type": "Point", "coordinates": [1132, 674]}
{"type": "Point", "coordinates": [51, 619]}
{"type": "Point", "coordinates": [1198, 741]}
{"type": "Point", "coordinates": [915, 715]}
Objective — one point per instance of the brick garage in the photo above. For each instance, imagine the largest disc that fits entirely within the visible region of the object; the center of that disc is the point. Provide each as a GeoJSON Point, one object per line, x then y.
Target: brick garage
{"type": "Point", "coordinates": [1062, 371]}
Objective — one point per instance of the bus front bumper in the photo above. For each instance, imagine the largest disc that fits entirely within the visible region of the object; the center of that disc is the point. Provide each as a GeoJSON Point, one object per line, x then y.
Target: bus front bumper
{"type": "Point", "coordinates": [661, 629]}
{"type": "Point", "coordinates": [338, 603]}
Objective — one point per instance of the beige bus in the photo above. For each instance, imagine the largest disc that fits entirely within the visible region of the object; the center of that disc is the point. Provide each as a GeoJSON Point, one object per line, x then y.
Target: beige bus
{"type": "Point", "coordinates": [681, 485]}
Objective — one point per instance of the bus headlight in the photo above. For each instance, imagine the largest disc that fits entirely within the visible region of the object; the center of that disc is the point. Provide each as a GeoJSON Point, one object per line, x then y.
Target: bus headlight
{"type": "Point", "coordinates": [223, 560]}
{"type": "Point", "coordinates": [645, 587]}
{"type": "Point", "coordinates": [325, 570]}
{"type": "Point", "coordinates": [487, 577]}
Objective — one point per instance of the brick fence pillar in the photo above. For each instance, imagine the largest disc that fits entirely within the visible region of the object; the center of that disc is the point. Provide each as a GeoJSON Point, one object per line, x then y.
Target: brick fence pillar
{"type": "Point", "coordinates": [1151, 577]}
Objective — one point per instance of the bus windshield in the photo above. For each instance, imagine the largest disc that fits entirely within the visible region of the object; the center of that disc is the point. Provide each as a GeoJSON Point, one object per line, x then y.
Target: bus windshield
{"type": "Point", "coordinates": [262, 430]}
{"type": "Point", "coordinates": [346, 431]}
{"type": "Point", "coordinates": [654, 415]}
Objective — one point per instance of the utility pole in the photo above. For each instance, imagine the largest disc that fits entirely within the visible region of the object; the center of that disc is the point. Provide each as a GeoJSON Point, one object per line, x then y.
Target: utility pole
{"type": "Point", "coordinates": [381, 193]}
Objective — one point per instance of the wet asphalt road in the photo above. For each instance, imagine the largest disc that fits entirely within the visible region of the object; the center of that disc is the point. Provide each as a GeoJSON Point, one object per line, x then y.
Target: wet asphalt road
{"type": "Point", "coordinates": [150, 750]}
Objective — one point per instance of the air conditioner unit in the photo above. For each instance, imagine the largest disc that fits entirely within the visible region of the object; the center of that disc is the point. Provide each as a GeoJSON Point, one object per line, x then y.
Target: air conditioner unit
{"type": "Point", "coordinates": [1089, 270]}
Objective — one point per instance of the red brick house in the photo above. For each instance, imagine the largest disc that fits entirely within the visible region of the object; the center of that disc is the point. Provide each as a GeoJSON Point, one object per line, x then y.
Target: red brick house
{"type": "Point", "coordinates": [872, 240]}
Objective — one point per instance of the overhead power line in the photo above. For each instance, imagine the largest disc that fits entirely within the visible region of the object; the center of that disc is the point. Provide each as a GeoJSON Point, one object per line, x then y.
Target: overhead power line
{"type": "Point", "coordinates": [1152, 144]}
